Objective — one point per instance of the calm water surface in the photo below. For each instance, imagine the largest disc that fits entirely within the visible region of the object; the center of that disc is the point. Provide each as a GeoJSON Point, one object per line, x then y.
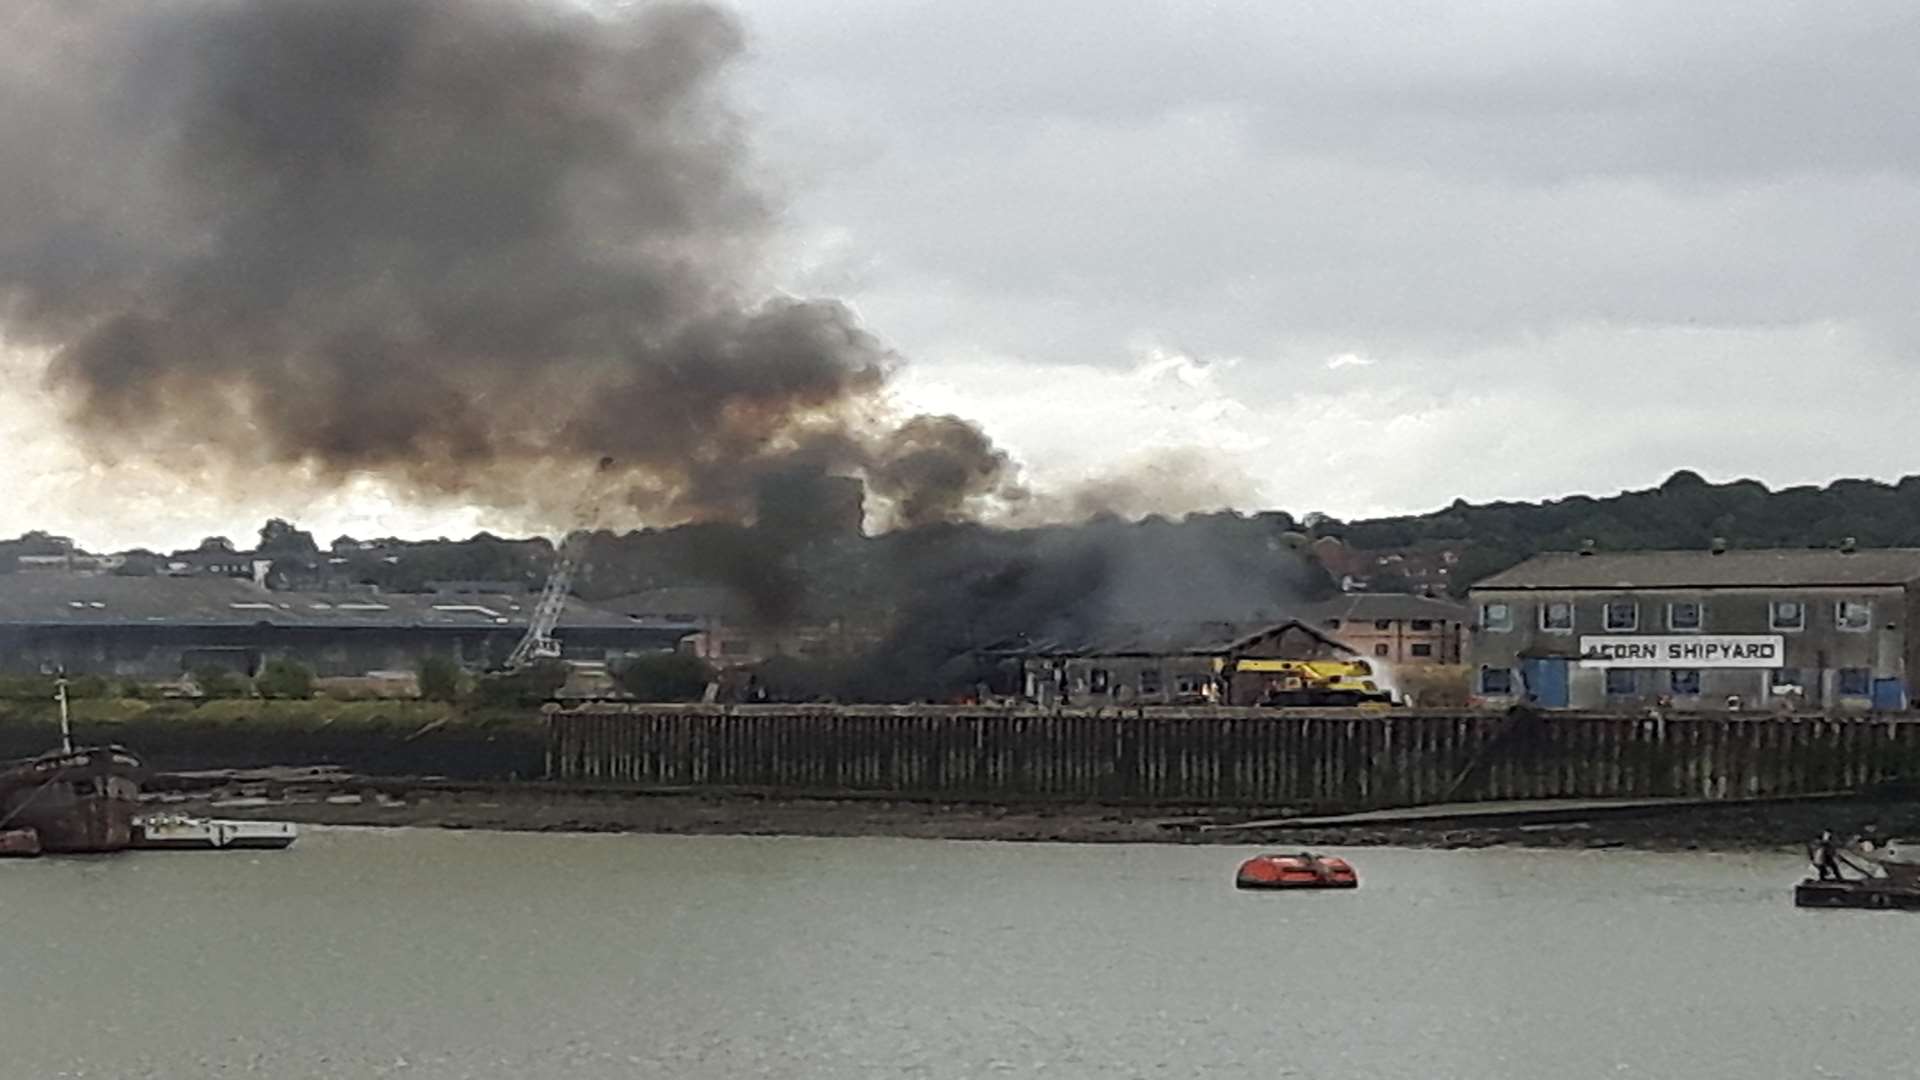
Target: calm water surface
{"type": "Point", "coordinates": [427, 954]}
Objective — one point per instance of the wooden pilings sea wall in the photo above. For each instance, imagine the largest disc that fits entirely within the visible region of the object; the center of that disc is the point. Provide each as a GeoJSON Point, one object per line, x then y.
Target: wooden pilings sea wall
{"type": "Point", "coordinates": [1251, 757]}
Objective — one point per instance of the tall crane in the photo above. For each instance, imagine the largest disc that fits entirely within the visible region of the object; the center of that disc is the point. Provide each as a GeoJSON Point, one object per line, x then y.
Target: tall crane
{"type": "Point", "coordinates": [538, 643]}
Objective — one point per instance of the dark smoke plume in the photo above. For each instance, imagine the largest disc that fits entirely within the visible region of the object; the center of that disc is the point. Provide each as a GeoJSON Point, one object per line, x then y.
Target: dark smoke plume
{"type": "Point", "coordinates": [470, 247]}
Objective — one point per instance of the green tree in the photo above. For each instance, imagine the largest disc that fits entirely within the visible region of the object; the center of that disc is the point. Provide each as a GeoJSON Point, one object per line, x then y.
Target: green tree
{"type": "Point", "coordinates": [531, 685]}
{"type": "Point", "coordinates": [218, 682]}
{"type": "Point", "coordinates": [439, 679]}
{"type": "Point", "coordinates": [280, 537]}
{"type": "Point", "coordinates": [284, 678]}
{"type": "Point", "coordinates": [665, 677]}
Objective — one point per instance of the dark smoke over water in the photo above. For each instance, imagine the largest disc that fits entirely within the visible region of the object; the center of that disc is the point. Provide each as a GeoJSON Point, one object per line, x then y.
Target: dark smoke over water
{"type": "Point", "coordinates": [466, 247]}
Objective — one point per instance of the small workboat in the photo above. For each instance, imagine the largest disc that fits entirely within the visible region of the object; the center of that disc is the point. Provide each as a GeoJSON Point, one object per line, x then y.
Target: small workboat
{"type": "Point", "coordinates": [1853, 893]}
{"type": "Point", "coordinates": [1878, 881]}
{"type": "Point", "coordinates": [1303, 870]}
{"type": "Point", "coordinates": [179, 833]}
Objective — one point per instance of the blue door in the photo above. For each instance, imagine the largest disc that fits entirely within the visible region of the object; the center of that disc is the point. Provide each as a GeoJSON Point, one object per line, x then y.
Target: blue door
{"type": "Point", "coordinates": [1546, 681]}
{"type": "Point", "coordinates": [1889, 695]}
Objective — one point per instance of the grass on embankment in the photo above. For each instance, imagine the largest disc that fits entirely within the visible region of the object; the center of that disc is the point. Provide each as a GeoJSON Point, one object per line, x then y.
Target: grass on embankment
{"type": "Point", "coordinates": [391, 736]}
{"type": "Point", "coordinates": [387, 715]}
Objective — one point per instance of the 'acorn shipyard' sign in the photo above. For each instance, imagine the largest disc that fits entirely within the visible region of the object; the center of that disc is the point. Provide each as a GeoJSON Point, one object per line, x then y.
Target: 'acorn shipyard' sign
{"type": "Point", "coordinates": [1682, 651]}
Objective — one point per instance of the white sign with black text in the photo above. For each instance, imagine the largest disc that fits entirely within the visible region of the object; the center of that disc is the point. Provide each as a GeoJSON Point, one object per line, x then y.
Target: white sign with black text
{"type": "Point", "coordinates": [1682, 651]}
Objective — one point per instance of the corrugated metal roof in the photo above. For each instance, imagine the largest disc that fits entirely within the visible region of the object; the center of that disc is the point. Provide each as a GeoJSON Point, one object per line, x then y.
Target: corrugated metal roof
{"type": "Point", "coordinates": [73, 600]}
{"type": "Point", "coordinates": [695, 601]}
{"type": "Point", "coordinates": [1705, 570]}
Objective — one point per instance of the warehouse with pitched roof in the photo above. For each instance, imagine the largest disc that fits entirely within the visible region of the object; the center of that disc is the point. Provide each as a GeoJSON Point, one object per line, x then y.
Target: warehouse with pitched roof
{"type": "Point", "coordinates": [161, 627]}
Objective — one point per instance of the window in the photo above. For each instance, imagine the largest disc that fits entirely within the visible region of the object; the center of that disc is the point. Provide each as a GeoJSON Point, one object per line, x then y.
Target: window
{"type": "Point", "coordinates": [1496, 680]}
{"type": "Point", "coordinates": [1149, 680]}
{"type": "Point", "coordinates": [1190, 684]}
{"type": "Point", "coordinates": [1853, 615]}
{"type": "Point", "coordinates": [1383, 624]}
{"type": "Point", "coordinates": [1380, 649]}
{"type": "Point", "coordinates": [1556, 615]}
{"type": "Point", "coordinates": [1783, 677]}
{"type": "Point", "coordinates": [735, 647]}
{"type": "Point", "coordinates": [1686, 681]}
{"type": "Point", "coordinates": [1421, 625]}
{"type": "Point", "coordinates": [1683, 615]}
{"type": "Point", "coordinates": [1787, 615]}
{"type": "Point", "coordinates": [1420, 648]}
{"type": "Point", "coordinates": [1621, 682]}
{"type": "Point", "coordinates": [1496, 617]}
{"type": "Point", "coordinates": [1622, 615]}
{"type": "Point", "coordinates": [1856, 681]}
{"type": "Point", "coordinates": [1333, 624]}
{"type": "Point", "coordinates": [1098, 680]}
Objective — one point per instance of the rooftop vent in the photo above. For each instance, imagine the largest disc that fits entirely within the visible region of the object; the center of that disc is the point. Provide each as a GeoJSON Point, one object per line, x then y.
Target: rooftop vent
{"type": "Point", "coordinates": [1719, 545]}
{"type": "Point", "coordinates": [1847, 546]}
{"type": "Point", "coordinates": [1586, 547]}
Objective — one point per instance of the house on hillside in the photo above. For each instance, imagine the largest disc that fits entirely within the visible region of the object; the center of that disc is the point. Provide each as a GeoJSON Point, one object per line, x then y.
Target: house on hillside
{"type": "Point", "coordinates": [1189, 665]}
{"type": "Point", "coordinates": [228, 564]}
{"type": "Point", "coordinates": [1706, 629]}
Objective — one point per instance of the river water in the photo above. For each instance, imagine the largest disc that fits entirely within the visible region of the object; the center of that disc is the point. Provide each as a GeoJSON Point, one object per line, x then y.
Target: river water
{"type": "Point", "coordinates": [433, 954]}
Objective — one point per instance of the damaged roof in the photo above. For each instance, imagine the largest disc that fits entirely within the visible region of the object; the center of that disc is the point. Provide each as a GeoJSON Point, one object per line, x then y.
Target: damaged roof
{"type": "Point", "coordinates": [77, 600]}
{"type": "Point", "coordinates": [1184, 639]}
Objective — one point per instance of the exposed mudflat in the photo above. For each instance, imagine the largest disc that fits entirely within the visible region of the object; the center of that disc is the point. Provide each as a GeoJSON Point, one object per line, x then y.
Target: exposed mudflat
{"type": "Point", "coordinates": [336, 799]}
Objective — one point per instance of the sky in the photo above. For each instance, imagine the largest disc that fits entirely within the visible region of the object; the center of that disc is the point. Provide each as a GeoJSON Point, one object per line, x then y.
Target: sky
{"type": "Point", "coordinates": [1360, 259]}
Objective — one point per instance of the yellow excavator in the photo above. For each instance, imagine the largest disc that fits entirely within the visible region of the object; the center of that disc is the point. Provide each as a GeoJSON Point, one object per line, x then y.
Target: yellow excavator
{"type": "Point", "coordinates": [1286, 683]}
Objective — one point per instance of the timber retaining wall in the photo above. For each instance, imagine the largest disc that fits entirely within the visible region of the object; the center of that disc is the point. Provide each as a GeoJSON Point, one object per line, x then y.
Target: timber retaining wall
{"type": "Point", "coordinates": [1248, 757]}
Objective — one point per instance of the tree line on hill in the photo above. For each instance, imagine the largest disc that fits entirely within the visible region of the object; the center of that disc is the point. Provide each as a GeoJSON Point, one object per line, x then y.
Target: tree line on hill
{"type": "Point", "coordinates": [1684, 512]}
{"type": "Point", "coordinates": [979, 572]}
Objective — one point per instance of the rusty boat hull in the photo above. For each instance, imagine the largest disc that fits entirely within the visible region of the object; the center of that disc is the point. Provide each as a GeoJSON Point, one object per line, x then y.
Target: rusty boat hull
{"type": "Point", "coordinates": [82, 800]}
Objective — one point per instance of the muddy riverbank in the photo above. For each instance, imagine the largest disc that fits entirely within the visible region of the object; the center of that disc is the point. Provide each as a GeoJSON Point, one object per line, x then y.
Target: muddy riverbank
{"type": "Point", "coordinates": [331, 798]}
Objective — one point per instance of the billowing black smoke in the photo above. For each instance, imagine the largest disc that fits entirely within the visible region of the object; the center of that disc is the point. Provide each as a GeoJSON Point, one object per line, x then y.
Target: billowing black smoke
{"type": "Point", "coordinates": [467, 247]}
{"type": "Point", "coordinates": [961, 594]}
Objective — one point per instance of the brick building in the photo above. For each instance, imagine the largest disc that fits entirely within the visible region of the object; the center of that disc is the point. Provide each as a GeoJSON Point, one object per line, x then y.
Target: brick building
{"type": "Point", "coordinates": [1700, 629]}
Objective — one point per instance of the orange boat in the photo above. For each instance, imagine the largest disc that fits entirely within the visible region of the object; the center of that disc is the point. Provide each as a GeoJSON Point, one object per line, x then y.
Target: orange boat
{"type": "Point", "coordinates": [1304, 870]}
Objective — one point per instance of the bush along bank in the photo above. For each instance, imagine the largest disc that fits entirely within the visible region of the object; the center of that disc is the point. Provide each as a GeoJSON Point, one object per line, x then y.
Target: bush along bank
{"type": "Point", "coordinates": [379, 738]}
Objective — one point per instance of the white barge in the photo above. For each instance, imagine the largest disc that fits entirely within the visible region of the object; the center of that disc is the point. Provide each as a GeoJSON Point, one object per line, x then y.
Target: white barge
{"type": "Point", "coordinates": [210, 834]}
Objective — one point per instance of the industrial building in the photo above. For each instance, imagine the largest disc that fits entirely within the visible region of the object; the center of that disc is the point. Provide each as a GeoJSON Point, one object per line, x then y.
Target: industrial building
{"type": "Point", "coordinates": [1395, 628]}
{"type": "Point", "coordinates": [158, 628]}
{"type": "Point", "coordinates": [1166, 666]}
{"type": "Point", "coordinates": [1709, 629]}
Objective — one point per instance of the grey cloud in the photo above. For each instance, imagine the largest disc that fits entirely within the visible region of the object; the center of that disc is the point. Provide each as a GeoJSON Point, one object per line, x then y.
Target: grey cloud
{"type": "Point", "coordinates": [1439, 177]}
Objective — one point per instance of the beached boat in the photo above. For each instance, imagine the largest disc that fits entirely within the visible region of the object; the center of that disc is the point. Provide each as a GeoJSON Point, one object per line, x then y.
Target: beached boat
{"type": "Point", "coordinates": [76, 800]}
{"type": "Point", "coordinates": [210, 834]}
